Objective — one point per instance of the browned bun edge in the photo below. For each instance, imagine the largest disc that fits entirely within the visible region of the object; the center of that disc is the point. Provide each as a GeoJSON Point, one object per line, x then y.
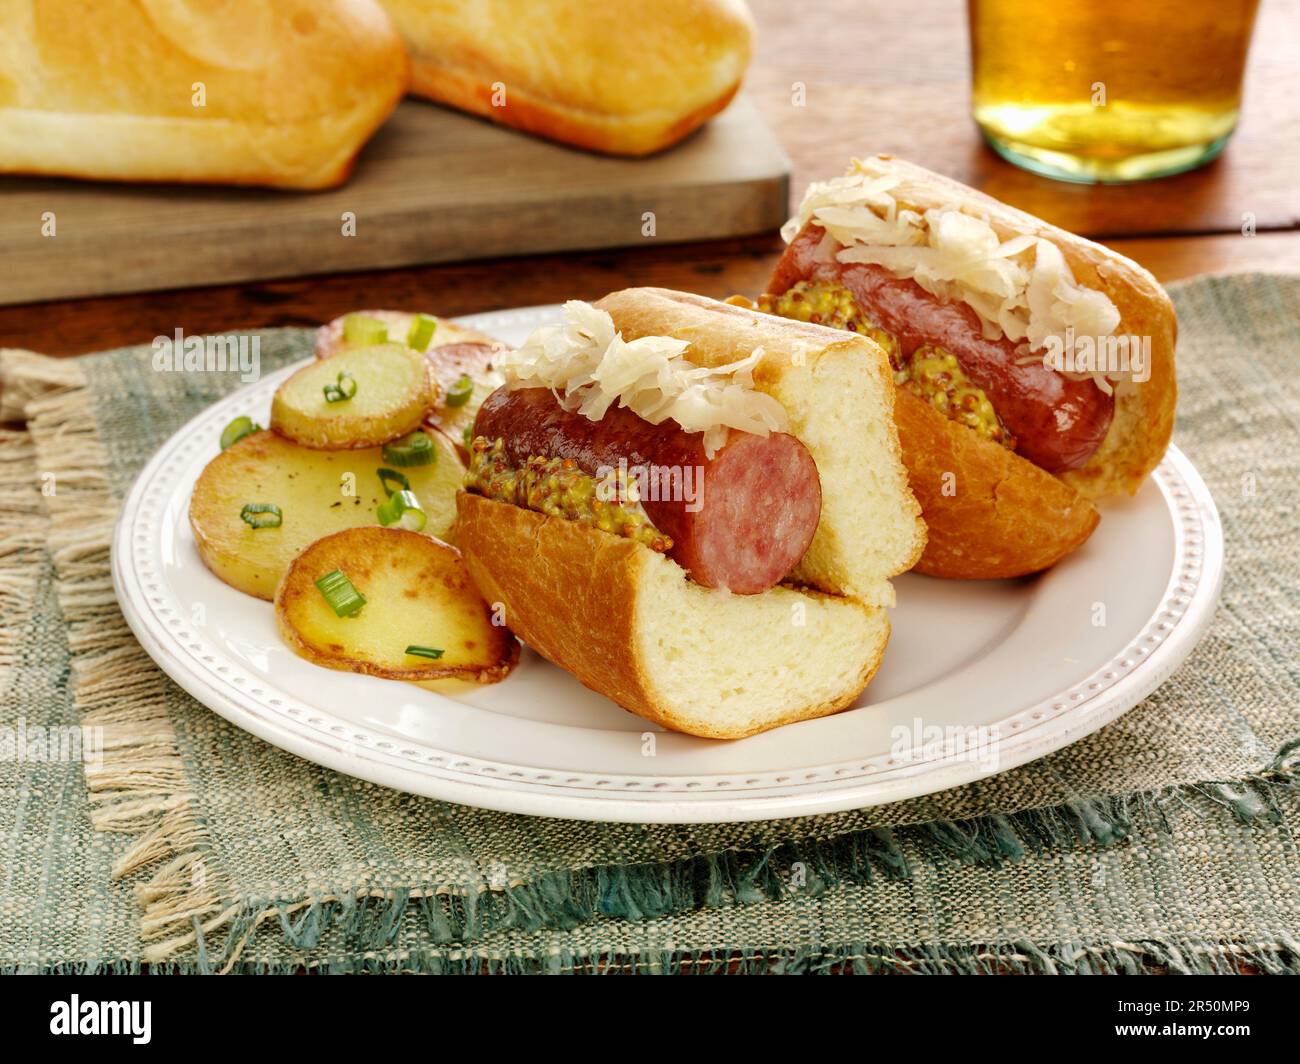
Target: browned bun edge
{"type": "Point", "coordinates": [1144, 413]}
{"type": "Point", "coordinates": [605, 134]}
{"type": "Point", "coordinates": [991, 513]}
{"type": "Point", "coordinates": [533, 565]}
{"type": "Point", "coordinates": [578, 596]}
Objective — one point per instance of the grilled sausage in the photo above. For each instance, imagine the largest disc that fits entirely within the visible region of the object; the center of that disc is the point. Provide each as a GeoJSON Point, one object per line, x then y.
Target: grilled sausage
{"type": "Point", "coordinates": [741, 520]}
{"type": "Point", "coordinates": [1058, 422]}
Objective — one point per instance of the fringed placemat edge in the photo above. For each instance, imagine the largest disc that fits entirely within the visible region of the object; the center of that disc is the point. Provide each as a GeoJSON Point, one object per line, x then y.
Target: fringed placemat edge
{"type": "Point", "coordinates": [22, 539]}
{"type": "Point", "coordinates": [139, 784]}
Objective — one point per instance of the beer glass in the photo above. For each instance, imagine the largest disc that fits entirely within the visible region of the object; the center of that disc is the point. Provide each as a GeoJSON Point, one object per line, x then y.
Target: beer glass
{"type": "Point", "coordinates": [1108, 90]}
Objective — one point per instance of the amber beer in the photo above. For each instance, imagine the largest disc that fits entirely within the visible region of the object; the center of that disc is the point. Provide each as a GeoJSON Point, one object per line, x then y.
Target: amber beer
{"type": "Point", "coordinates": [1108, 90]}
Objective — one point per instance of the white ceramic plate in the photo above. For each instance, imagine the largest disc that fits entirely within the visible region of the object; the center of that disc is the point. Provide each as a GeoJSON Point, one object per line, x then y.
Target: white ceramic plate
{"type": "Point", "coordinates": [978, 677]}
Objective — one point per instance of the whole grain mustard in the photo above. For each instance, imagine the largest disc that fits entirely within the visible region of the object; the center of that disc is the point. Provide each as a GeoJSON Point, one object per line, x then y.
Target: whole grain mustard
{"type": "Point", "coordinates": [558, 488]}
{"type": "Point", "coordinates": [931, 373]}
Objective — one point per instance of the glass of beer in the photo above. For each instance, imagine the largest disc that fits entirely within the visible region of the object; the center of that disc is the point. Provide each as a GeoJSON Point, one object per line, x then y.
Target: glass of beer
{"type": "Point", "coordinates": [1108, 90]}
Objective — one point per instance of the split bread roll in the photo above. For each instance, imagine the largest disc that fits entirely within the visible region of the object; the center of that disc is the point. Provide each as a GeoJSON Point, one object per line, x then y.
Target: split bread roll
{"type": "Point", "coordinates": [1003, 516]}
{"type": "Point", "coordinates": [245, 92]}
{"type": "Point", "coordinates": [629, 622]}
{"type": "Point", "coordinates": [625, 78]}
{"type": "Point", "coordinates": [991, 512]}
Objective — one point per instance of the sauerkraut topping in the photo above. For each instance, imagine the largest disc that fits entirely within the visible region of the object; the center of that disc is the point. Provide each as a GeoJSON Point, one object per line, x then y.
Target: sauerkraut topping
{"type": "Point", "coordinates": [589, 367]}
{"type": "Point", "coordinates": [1021, 288]}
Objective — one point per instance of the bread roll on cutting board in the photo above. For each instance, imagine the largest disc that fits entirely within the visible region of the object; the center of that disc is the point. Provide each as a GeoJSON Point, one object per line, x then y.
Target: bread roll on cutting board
{"type": "Point", "coordinates": [247, 92]}
{"type": "Point", "coordinates": [626, 78]}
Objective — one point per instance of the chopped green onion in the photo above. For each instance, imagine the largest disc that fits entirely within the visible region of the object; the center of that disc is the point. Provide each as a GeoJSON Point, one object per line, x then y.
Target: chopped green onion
{"type": "Point", "coordinates": [343, 598]}
{"type": "Point", "coordinates": [237, 430]}
{"type": "Point", "coordinates": [346, 388]}
{"type": "Point", "coordinates": [424, 652]}
{"type": "Point", "coordinates": [413, 449]}
{"type": "Point", "coordinates": [459, 393]}
{"type": "Point", "coordinates": [468, 437]}
{"type": "Point", "coordinates": [362, 331]}
{"type": "Point", "coordinates": [385, 475]}
{"type": "Point", "coordinates": [402, 508]}
{"type": "Point", "coordinates": [422, 330]}
{"type": "Point", "coordinates": [261, 515]}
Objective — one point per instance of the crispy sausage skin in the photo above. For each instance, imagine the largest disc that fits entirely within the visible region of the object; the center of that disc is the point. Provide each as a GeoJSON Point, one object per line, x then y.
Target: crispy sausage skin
{"type": "Point", "coordinates": [740, 521]}
{"type": "Point", "coordinates": [1058, 423]}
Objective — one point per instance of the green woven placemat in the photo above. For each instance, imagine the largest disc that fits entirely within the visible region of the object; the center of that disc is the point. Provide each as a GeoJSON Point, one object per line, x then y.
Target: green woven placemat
{"type": "Point", "coordinates": [197, 846]}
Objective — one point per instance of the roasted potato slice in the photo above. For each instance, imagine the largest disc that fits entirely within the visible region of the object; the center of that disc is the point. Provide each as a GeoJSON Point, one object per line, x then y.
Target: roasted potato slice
{"type": "Point", "coordinates": [361, 397]}
{"type": "Point", "coordinates": [457, 406]}
{"type": "Point", "coordinates": [331, 338]}
{"type": "Point", "coordinates": [418, 596]}
{"type": "Point", "coordinates": [311, 489]}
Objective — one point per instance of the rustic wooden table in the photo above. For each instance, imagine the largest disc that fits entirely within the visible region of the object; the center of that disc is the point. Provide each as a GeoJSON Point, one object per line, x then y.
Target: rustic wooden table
{"type": "Point", "coordinates": [875, 76]}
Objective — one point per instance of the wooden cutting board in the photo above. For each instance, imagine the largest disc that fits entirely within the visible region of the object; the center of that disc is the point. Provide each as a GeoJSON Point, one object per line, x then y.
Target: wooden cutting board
{"type": "Point", "coordinates": [433, 185]}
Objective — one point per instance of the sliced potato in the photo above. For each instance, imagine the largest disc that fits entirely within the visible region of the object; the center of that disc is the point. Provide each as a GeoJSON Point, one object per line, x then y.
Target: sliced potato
{"type": "Point", "coordinates": [330, 338]}
{"type": "Point", "coordinates": [452, 363]}
{"type": "Point", "coordinates": [311, 488]}
{"type": "Point", "coordinates": [417, 594]}
{"type": "Point", "coordinates": [392, 391]}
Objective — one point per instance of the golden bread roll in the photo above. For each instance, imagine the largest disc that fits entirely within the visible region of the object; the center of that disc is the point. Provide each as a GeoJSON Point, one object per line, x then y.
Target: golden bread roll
{"type": "Point", "coordinates": [624, 78]}
{"type": "Point", "coordinates": [246, 92]}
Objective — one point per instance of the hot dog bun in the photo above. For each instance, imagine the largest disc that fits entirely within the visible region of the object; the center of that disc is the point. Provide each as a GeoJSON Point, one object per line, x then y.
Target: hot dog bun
{"type": "Point", "coordinates": [627, 621]}
{"type": "Point", "coordinates": [627, 78]}
{"type": "Point", "coordinates": [990, 512]}
{"type": "Point", "coordinates": [289, 90]}
{"type": "Point", "coordinates": [1001, 516]}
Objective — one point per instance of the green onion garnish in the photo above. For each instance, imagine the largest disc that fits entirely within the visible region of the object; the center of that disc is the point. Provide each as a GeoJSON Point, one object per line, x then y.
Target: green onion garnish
{"type": "Point", "coordinates": [413, 449]}
{"type": "Point", "coordinates": [468, 437]}
{"type": "Point", "coordinates": [458, 394]}
{"type": "Point", "coordinates": [237, 430]}
{"type": "Point", "coordinates": [422, 330]}
{"type": "Point", "coordinates": [261, 515]}
{"type": "Point", "coordinates": [424, 652]}
{"type": "Point", "coordinates": [346, 388]}
{"type": "Point", "coordinates": [362, 331]}
{"type": "Point", "coordinates": [385, 475]}
{"type": "Point", "coordinates": [402, 508]}
{"type": "Point", "coordinates": [344, 599]}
